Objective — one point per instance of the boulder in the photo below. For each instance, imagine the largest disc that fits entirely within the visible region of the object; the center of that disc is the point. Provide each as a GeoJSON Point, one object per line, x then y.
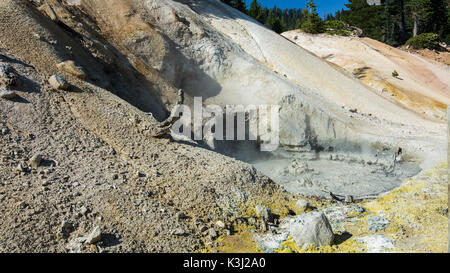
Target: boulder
{"type": "Point", "coordinates": [212, 233]}
{"type": "Point", "coordinates": [58, 82]}
{"type": "Point", "coordinates": [302, 204]}
{"type": "Point", "coordinates": [7, 94]}
{"type": "Point", "coordinates": [48, 10]}
{"type": "Point", "coordinates": [76, 245]}
{"type": "Point", "coordinates": [264, 213]}
{"type": "Point", "coordinates": [95, 236]}
{"type": "Point", "coordinates": [67, 226]}
{"type": "Point", "coordinates": [310, 229]}
{"type": "Point", "coordinates": [71, 68]}
{"type": "Point", "coordinates": [36, 160]}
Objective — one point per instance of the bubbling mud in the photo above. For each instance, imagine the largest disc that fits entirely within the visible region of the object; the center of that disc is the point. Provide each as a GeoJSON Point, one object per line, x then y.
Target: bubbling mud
{"type": "Point", "coordinates": [341, 177]}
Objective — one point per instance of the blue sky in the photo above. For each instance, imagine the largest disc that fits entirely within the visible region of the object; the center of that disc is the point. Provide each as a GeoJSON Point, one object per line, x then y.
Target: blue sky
{"type": "Point", "coordinates": [330, 6]}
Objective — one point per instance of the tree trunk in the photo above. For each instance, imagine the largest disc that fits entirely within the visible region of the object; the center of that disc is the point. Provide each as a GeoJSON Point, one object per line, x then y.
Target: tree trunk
{"type": "Point", "coordinates": [415, 25]}
{"type": "Point", "coordinates": [402, 21]}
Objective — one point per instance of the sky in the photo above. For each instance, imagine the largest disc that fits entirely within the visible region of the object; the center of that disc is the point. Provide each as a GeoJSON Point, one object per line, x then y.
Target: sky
{"type": "Point", "coordinates": [329, 6]}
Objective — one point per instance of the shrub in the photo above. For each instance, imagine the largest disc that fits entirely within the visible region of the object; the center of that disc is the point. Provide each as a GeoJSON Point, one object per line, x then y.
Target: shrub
{"type": "Point", "coordinates": [337, 27]}
{"type": "Point", "coordinates": [334, 24]}
{"type": "Point", "coordinates": [424, 40]}
{"type": "Point", "coordinates": [395, 74]}
{"type": "Point", "coordinates": [313, 26]}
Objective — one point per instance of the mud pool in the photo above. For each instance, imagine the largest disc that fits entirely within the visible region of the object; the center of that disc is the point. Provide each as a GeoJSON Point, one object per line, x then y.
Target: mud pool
{"type": "Point", "coordinates": [317, 177]}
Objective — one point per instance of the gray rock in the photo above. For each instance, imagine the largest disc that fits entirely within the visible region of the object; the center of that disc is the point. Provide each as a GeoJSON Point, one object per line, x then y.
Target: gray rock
{"type": "Point", "coordinates": [66, 226]}
{"type": "Point", "coordinates": [311, 229]}
{"type": "Point", "coordinates": [95, 236]}
{"type": "Point", "coordinates": [84, 210]}
{"type": "Point", "coordinates": [264, 213]}
{"type": "Point", "coordinates": [69, 67]}
{"type": "Point", "coordinates": [349, 199]}
{"type": "Point", "coordinates": [220, 224]}
{"type": "Point", "coordinates": [21, 168]}
{"type": "Point", "coordinates": [76, 245]}
{"type": "Point", "coordinates": [179, 232]}
{"type": "Point", "coordinates": [36, 160]}
{"type": "Point", "coordinates": [180, 216]}
{"type": "Point", "coordinates": [212, 232]}
{"type": "Point", "coordinates": [302, 204]}
{"type": "Point", "coordinates": [58, 82]}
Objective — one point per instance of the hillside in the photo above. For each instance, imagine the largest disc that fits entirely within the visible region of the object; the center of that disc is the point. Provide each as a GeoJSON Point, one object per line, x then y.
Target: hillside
{"type": "Point", "coordinates": [85, 155]}
{"type": "Point", "coordinates": [422, 86]}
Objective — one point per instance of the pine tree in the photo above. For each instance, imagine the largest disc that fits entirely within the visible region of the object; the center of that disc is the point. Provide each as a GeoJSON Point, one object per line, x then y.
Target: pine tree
{"type": "Point", "coordinates": [368, 18]}
{"type": "Point", "coordinates": [240, 5]}
{"type": "Point", "coordinates": [256, 11]}
{"type": "Point", "coordinates": [395, 24]}
{"type": "Point", "coordinates": [313, 23]}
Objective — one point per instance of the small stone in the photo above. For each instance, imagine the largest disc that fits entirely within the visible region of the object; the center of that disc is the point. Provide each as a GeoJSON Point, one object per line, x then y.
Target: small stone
{"type": "Point", "coordinates": [264, 213]}
{"type": "Point", "coordinates": [181, 216]}
{"type": "Point", "coordinates": [140, 175]}
{"type": "Point", "coordinates": [84, 210]}
{"type": "Point", "coordinates": [7, 94]}
{"type": "Point", "coordinates": [58, 82]}
{"type": "Point", "coordinates": [212, 232]}
{"type": "Point", "coordinates": [21, 168]}
{"type": "Point", "coordinates": [220, 224]}
{"type": "Point", "coordinates": [74, 247]}
{"type": "Point", "coordinates": [95, 236]}
{"type": "Point", "coordinates": [251, 221]}
{"type": "Point", "coordinates": [36, 160]}
{"type": "Point", "coordinates": [302, 204]}
{"type": "Point", "coordinates": [67, 226]}
{"type": "Point", "coordinates": [37, 36]}
{"type": "Point", "coordinates": [179, 232]}
{"type": "Point", "coordinates": [69, 67]}
{"type": "Point", "coordinates": [349, 199]}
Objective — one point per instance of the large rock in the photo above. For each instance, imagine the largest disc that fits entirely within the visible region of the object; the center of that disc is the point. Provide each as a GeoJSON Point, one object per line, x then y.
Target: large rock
{"type": "Point", "coordinates": [302, 204]}
{"type": "Point", "coordinates": [7, 94]}
{"type": "Point", "coordinates": [71, 68]}
{"type": "Point", "coordinates": [48, 10]}
{"type": "Point", "coordinates": [58, 82]}
{"type": "Point", "coordinates": [310, 229]}
{"type": "Point", "coordinates": [264, 213]}
{"type": "Point", "coordinates": [95, 236]}
{"type": "Point", "coordinates": [36, 160]}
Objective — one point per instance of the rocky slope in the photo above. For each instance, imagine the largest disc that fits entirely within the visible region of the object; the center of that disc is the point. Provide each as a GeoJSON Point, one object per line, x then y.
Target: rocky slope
{"type": "Point", "coordinates": [422, 86]}
{"type": "Point", "coordinates": [100, 165]}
